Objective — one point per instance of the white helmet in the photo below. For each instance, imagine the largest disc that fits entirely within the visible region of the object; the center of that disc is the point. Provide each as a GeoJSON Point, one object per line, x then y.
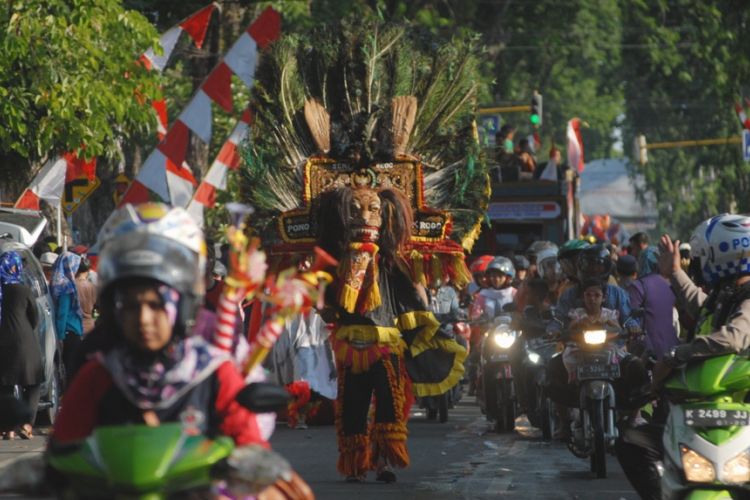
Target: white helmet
{"type": "Point", "coordinates": [547, 264]}
{"type": "Point", "coordinates": [722, 243]}
{"type": "Point", "coordinates": [504, 265]}
{"type": "Point", "coordinates": [158, 242]}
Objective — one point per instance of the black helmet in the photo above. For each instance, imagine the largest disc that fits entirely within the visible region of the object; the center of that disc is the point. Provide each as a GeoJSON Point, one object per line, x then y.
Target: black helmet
{"type": "Point", "coordinates": [594, 262]}
{"type": "Point", "coordinates": [520, 262]}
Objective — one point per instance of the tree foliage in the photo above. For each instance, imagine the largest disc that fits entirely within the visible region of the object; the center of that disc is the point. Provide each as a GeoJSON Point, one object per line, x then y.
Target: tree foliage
{"type": "Point", "coordinates": [684, 64]}
{"type": "Point", "coordinates": [69, 77]}
{"type": "Point", "coordinates": [669, 69]}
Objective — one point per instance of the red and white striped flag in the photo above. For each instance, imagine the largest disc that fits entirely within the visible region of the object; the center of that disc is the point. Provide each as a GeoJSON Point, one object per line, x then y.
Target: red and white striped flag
{"type": "Point", "coordinates": [167, 177]}
{"type": "Point", "coordinates": [744, 120]}
{"type": "Point", "coordinates": [216, 177]}
{"type": "Point", "coordinates": [48, 185]}
{"type": "Point", "coordinates": [575, 145]}
{"type": "Point", "coordinates": [195, 26]}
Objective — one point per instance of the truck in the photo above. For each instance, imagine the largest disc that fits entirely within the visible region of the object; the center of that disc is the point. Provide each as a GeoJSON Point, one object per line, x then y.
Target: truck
{"type": "Point", "coordinates": [523, 211]}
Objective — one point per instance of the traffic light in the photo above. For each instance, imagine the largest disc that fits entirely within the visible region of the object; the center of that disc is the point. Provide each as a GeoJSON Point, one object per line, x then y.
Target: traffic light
{"type": "Point", "coordinates": [536, 109]}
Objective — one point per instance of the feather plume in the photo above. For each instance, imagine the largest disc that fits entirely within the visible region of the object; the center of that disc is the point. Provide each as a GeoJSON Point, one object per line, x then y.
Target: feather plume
{"type": "Point", "coordinates": [404, 112]}
{"type": "Point", "coordinates": [319, 122]}
{"type": "Point", "coordinates": [378, 90]}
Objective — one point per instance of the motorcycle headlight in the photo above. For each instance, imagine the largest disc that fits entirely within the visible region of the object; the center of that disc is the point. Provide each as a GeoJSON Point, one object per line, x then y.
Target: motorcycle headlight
{"type": "Point", "coordinates": [697, 468]}
{"type": "Point", "coordinates": [595, 337]}
{"type": "Point", "coordinates": [737, 470]}
{"type": "Point", "coordinates": [505, 339]}
{"type": "Point", "coordinates": [534, 357]}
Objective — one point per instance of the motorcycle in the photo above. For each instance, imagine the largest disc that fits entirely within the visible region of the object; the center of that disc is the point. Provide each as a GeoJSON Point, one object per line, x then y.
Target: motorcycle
{"type": "Point", "coordinates": [496, 391]}
{"type": "Point", "coordinates": [596, 365]}
{"type": "Point", "coordinates": [708, 430]}
{"type": "Point", "coordinates": [540, 410]}
{"type": "Point", "coordinates": [171, 460]}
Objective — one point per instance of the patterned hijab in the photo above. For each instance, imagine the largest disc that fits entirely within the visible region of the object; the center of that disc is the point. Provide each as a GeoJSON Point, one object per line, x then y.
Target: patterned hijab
{"type": "Point", "coordinates": [10, 273]}
{"type": "Point", "coordinates": [63, 281]}
{"type": "Point", "coordinates": [153, 381]}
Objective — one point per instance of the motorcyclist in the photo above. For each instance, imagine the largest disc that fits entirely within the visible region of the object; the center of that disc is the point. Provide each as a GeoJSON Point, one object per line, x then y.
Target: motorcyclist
{"type": "Point", "coordinates": [532, 321]}
{"type": "Point", "coordinates": [521, 264]}
{"type": "Point", "coordinates": [150, 285]}
{"type": "Point", "coordinates": [535, 316]}
{"type": "Point", "coordinates": [724, 326]}
{"type": "Point", "coordinates": [568, 259]}
{"type": "Point", "coordinates": [531, 254]}
{"type": "Point", "coordinates": [500, 273]}
{"type": "Point", "coordinates": [548, 267]}
{"type": "Point", "coordinates": [475, 306]}
{"type": "Point", "coordinates": [478, 270]}
{"type": "Point", "coordinates": [594, 262]}
{"type": "Point", "coordinates": [594, 314]}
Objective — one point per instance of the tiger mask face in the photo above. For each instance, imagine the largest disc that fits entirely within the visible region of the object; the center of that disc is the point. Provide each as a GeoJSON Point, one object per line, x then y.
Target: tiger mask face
{"type": "Point", "coordinates": [366, 215]}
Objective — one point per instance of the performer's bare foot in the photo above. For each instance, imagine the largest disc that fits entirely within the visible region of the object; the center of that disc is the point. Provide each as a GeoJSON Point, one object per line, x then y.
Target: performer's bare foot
{"type": "Point", "coordinates": [356, 479]}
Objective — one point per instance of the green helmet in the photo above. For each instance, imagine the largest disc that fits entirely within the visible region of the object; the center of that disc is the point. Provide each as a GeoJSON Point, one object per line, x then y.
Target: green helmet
{"type": "Point", "coordinates": [568, 256]}
{"type": "Point", "coordinates": [574, 245]}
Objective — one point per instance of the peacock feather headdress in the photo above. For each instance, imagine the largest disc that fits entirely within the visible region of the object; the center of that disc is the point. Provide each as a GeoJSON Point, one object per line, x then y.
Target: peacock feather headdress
{"type": "Point", "coordinates": [367, 103]}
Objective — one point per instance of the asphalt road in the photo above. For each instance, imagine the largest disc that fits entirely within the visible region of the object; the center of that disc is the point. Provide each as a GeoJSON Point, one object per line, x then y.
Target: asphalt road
{"type": "Point", "coordinates": [461, 459]}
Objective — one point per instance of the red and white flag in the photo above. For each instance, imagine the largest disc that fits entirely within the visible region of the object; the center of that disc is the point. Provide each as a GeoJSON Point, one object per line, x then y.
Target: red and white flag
{"type": "Point", "coordinates": [575, 145]}
{"type": "Point", "coordinates": [195, 26]}
{"type": "Point", "coordinates": [48, 185]}
{"type": "Point", "coordinates": [169, 172]}
{"type": "Point", "coordinates": [744, 120]}
{"type": "Point", "coordinates": [550, 170]}
{"type": "Point", "coordinates": [216, 177]}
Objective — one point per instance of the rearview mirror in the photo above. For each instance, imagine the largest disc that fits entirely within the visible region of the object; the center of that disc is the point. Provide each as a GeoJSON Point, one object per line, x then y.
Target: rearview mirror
{"type": "Point", "coordinates": [263, 397]}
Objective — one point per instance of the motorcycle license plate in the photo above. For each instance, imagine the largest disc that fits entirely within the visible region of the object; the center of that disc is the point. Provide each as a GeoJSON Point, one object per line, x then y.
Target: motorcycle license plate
{"type": "Point", "coordinates": [714, 417]}
{"type": "Point", "coordinates": [586, 372]}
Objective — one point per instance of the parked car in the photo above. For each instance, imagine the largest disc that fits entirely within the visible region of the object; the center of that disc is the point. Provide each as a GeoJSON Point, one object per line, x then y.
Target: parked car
{"type": "Point", "coordinates": [33, 277]}
{"type": "Point", "coordinates": [24, 226]}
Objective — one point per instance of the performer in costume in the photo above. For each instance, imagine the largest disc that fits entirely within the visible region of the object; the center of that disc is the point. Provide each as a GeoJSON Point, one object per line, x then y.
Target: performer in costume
{"type": "Point", "coordinates": [372, 129]}
{"type": "Point", "coordinates": [365, 230]}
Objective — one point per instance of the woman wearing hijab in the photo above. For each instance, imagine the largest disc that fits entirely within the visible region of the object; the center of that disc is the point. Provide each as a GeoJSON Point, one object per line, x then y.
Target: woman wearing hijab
{"type": "Point", "coordinates": [68, 314]}
{"type": "Point", "coordinates": [20, 354]}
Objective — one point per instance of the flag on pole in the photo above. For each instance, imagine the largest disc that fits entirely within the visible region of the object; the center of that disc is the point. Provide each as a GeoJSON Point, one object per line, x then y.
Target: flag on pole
{"type": "Point", "coordinates": [742, 115]}
{"type": "Point", "coordinates": [575, 145]}
{"type": "Point", "coordinates": [167, 171]}
{"type": "Point", "coordinates": [47, 185]}
{"type": "Point", "coordinates": [550, 170]}
{"type": "Point", "coordinates": [216, 177]}
{"type": "Point", "coordinates": [195, 26]}
{"type": "Point", "coordinates": [79, 167]}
